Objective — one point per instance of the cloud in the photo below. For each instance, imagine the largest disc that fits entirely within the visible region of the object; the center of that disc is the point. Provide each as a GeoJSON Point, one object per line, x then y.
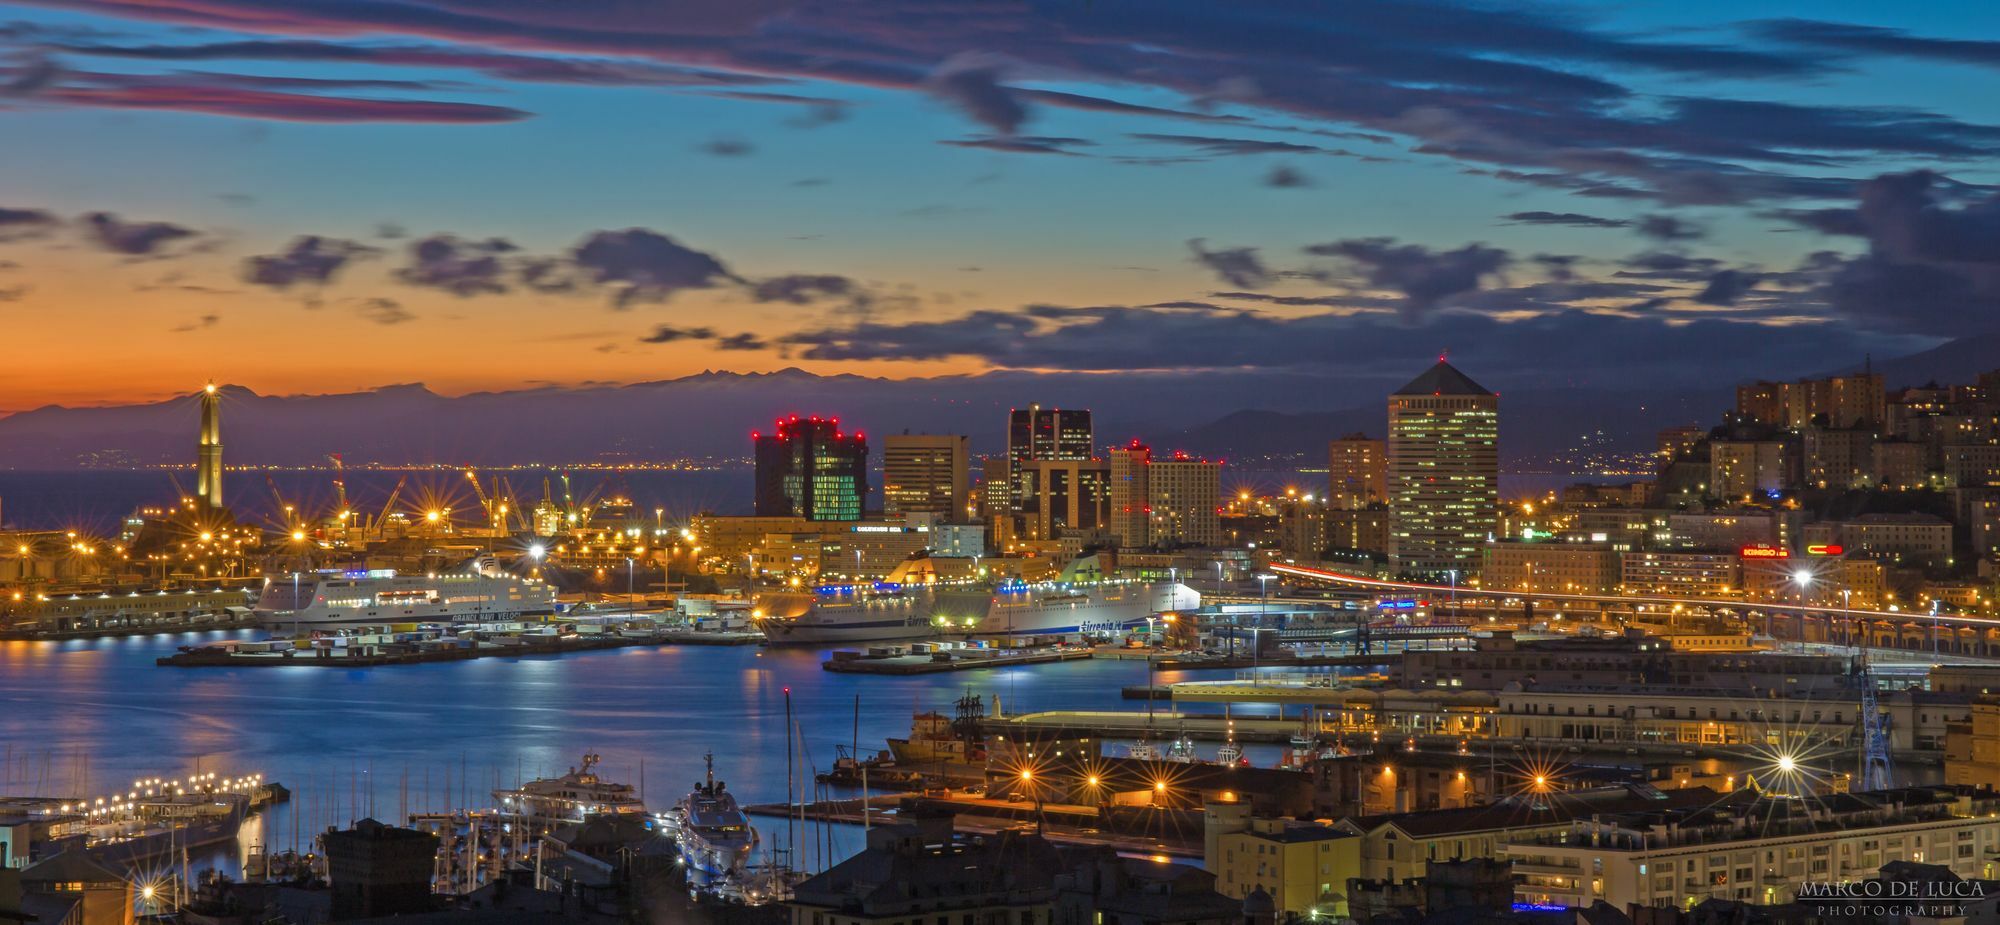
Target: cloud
{"type": "Point", "coordinates": [1425, 277]}
{"type": "Point", "coordinates": [134, 238]}
{"type": "Point", "coordinates": [1238, 266]}
{"type": "Point", "coordinates": [230, 97]}
{"type": "Point", "coordinates": [458, 266]}
{"type": "Point", "coordinates": [205, 321]}
{"type": "Point", "coordinates": [1210, 145]}
{"type": "Point", "coordinates": [816, 111]}
{"type": "Point", "coordinates": [1669, 228]}
{"type": "Point", "coordinates": [1685, 351]}
{"type": "Point", "coordinates": [17, 224]}
{"type": "Point", "coordinates": [1285, 177]}
{"type": "Point", "coordinates": [37, 72]}
{"type": "Point", "coordinates": [503, 65]}
{"type": "Point", "coordinates": [802, 288]}
{"type": "Point", "coordinates": [744, 341]}
{"type": "Point", "coordinates": [645, 266]}
{"type": "Point", "coordinates": [970, 82]}
{"type": "Point", "coordinates": [1573, 219]}
{"type": "Point", "coordinates": [1725, 287]}
{"type": "Point", "coordinates": [667, 334]}
{"type": "Point", "coordinates": [726, 147]}
{"type": "Point", "coordinates": [1022, 144]}
{"type": "Point", "coordinates": [310, 259]}
{"type": "Point", "coordinates": [384, 311]}
{"type": "Point", "coordinates": [1933, 260]}
{"type": "Point", "coordinates": [1882, 41]}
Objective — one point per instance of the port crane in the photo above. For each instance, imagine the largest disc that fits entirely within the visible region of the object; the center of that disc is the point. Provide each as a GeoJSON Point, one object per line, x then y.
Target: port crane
{"type": "Point", "coordinates": [382, 519]}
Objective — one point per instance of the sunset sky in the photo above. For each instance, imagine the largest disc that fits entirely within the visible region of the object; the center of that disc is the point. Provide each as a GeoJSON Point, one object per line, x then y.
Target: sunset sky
{"type": "Point", "coordinates": [328, 195]}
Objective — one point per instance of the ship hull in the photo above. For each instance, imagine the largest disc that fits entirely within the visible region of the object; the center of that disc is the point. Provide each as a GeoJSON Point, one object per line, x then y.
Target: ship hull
{"type": "Point", "coordinates": [802, 619]}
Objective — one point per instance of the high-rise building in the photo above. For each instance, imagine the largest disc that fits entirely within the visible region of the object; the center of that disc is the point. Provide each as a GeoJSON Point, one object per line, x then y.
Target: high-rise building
{"type": "Point", "coordinates": [1131, 494]}
{"type": "Point", "coordinates": [808, 468]}
{"type": "Point", "coordinates": [1036, 434]}
{"type": "Point", "coordinates": [1844, 401]}
{"type": "Point", "coordinates": [1739, 468]}
{"type": "Point", "coordinates": [208, 452]}
{"type": "Point", "coordinates": [1444, 473]}
{"type": "Point", "coordinates": [927, 474]}
{"type": "Point", "coordinates": [1067, 497]}
{"type": "Point", "coordinates": [1357, 473]}
{"type": "Point", "coordinates": [1186, 501]}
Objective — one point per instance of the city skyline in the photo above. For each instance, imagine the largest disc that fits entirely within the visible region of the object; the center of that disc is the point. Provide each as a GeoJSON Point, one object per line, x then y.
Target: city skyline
{"type": "Point", "coordinates": [526, 198]}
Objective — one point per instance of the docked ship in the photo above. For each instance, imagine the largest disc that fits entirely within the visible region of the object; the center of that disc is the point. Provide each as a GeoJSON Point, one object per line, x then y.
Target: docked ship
{"type": "Point", "coordinates": [574, 797]}
{"type": "Point", "coordinates": [715, 836]}
{"type": "Point", "coordinates": [889, 612]}
{"type": "Point", "coordinates": [349, 598]}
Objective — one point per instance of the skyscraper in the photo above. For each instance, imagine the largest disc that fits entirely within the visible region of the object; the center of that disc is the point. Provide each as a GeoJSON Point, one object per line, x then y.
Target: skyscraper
{"type": "Point", "coordinates": [208, 451]}
{"type": "Point", "coordinates": [809, 469]}
{"type": "Point", "coordinates": [1131, 494]}
{"type": "Point", "coordinates": [1357, 473]}
{"type": "Point", "coordinates": [1186, 499]}
{"type": "Point", "coordinates": [1035, 434]}
{"type": "Point", "coordinates": [926, 474]}
{"type": "Point", "coordinates": [1444, 473]}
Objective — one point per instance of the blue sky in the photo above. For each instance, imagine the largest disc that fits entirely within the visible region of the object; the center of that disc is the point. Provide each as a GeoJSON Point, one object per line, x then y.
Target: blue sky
{"type": "Point", "coordinates": [914, 189]}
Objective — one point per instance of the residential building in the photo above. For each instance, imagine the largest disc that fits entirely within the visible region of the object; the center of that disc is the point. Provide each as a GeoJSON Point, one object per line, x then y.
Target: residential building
{"type": "Point", "coordinates": [1971, 465]}
{"type": "Point", "coordinates": [1839, 458]}
{"type": "Point", "coordinates": [1363, 530]}
{"type": "Point", "coordinates": [1066, 497]}
{"type": "Point", "coordinates": [1842, 401]}
{"type": "Point", "coordinates": [1304, 866]}
{"type": "Point", "coordinates": [1105, 889]}
{"type": "Point", "coordinates": [1678, 441]}
{"type": "Point", "coordinates": [1443, 473]}
{"type": "Point", "coordinates": [1132, 494]}
{"type": "Point", "coordinates": [1897, 539]}
{"type": "Point", "coordinates": [1740, 468]}
{"type": "Point", "coordinates": [1900, 464]}
{"type": "Point", "coordinates": [921, 870]}
{"type": "Point", "coordinates": [1186, 500]}
{"type": "Point", "coordinates": [1550, 565]}
{"type": "Point", "coordinates": [1755, 846]}
{"type": "Point", "coordinates": [1357, 473]}
{"type": "Point", "coordinates": [376, 870]}
{"type": "Point", "coordinates": [927, 474]}
{"type": "Point", "coordinates": [809, 468]}
{"type": "Point", "coordinates": [1687, 574]}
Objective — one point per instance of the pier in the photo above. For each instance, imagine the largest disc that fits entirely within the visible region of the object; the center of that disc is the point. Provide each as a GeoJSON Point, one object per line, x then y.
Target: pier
{"type": "Point", "coordinates": [1062, 823]}
{"type": "Point", "coordinates": [382, 650]}
{"type": "Point", "coordinates": [899, 661]}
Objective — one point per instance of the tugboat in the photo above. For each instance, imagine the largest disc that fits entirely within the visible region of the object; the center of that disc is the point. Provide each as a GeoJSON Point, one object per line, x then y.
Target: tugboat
{"type": "Point", "coordinates": [715, 835]}
{"type": "Point", "coordinates": [552, 801]}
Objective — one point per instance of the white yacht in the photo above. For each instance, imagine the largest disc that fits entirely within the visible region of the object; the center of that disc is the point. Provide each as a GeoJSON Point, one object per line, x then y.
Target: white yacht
{"type": "Point", "coordinates": [715, 836]}
{"type": "Point", "coordinates": [886, 611]}
{"type": "Point", "coordinates": [349, 598]}
{"type": "Point", "coordinates": [574, 797]}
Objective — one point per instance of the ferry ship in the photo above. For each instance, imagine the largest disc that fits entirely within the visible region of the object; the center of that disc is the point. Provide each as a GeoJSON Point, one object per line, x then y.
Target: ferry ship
{"type": "Point", "coordinates": [344, 599]}
{"type": "Point", "coordinates": [887, 612]}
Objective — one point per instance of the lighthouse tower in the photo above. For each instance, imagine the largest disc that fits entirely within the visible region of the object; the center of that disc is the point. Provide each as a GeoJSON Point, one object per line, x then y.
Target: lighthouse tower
{"type": "Point", "coordinates": [208, 455]}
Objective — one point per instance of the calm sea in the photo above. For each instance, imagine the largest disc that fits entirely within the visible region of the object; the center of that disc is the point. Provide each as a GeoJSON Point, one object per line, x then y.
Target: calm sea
{"type": "Point", "coordinates": [353, 743]}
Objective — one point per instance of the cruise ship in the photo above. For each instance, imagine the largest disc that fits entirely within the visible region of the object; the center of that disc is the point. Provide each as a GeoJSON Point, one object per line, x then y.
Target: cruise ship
{"type": "Point", "coordinates": [888, 612]}
{"type": "Point", "coordinates": [345, 599]}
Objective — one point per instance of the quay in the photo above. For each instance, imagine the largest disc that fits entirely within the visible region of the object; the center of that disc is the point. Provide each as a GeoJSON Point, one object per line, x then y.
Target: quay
{"type": "Point", "coordinates": [1061, 823]}
{"type": "Point", "coordinates": [128, 625]}
{"type": "Point", "coordinates": [1136, 725]}
{"type": "Point", "coordinates": [374, 650]}
{"type": "Point", "coordinates": [900, 660]}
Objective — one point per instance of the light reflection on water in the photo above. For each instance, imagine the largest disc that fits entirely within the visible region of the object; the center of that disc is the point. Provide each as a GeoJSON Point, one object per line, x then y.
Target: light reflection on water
{"type": "Point", "coordinates": [419, 737]}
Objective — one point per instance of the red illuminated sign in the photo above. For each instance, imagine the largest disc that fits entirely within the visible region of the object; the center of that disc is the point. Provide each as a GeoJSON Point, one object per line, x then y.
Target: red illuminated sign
{"type": "Point", "coordinates": [1765, 552]}
{"type": "Point", "coordinates": [1824, 549]}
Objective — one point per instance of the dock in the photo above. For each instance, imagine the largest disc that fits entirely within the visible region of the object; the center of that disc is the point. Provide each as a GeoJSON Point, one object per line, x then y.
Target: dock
{"type": "Point", "coordinates": [1061, 823]}
{"type": "Point", "coordinates": [383, 650]}
{"type": "Point", "coordinates": [902, 661]}
{"type": "Point", "coordinates": [137, 625]}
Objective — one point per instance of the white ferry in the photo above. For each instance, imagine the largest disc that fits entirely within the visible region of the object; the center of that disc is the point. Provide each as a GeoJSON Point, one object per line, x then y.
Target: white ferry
{"type": "Point", "coordinates": [885, 611]}
{"type": "Point", "coordinates": [342, 599]}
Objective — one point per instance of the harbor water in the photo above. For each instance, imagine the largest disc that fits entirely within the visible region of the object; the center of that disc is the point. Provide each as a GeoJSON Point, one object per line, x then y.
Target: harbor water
{"type": "Point", "coordinates": [360, 742]}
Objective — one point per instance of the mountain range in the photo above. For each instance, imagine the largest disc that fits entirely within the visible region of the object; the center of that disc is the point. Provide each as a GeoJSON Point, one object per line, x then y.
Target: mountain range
{"type": "Point", "coordinates": [1235, 415]}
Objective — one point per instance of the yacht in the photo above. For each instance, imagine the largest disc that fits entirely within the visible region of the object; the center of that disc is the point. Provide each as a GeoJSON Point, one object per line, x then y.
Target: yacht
{"type": "Point", "coordinates": [715, 836]}
{"type": "Point", "coordinates": [351, 598]}
{"type": "Point", "coordinates": [888, 611]}
{"type": "Point", "coordinates": [552, 801]}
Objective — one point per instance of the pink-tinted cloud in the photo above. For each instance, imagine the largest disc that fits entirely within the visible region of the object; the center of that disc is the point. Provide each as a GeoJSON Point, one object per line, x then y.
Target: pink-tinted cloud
{"type": "Point", "coordinates": [268, 104]}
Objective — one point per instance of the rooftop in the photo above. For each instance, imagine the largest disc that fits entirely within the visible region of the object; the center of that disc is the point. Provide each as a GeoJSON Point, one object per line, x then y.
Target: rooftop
{"type": "Point", "coordinates": [1443, 379]}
